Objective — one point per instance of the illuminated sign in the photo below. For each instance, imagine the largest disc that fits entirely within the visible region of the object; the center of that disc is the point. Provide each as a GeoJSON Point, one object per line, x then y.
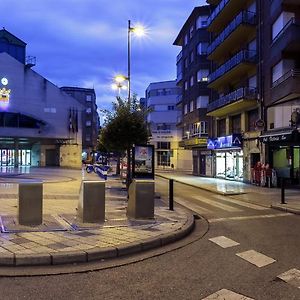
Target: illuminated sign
{"type": "Point", "coordinates": [4, 92]}
{"type": "Point", "coordinates": [228, 141]}
{"type": "Point", "coordinates": [4, 81]}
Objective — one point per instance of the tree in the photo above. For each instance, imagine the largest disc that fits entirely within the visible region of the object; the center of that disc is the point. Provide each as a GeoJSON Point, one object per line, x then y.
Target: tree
{"type": "Point", "coordinates": [125, 126]}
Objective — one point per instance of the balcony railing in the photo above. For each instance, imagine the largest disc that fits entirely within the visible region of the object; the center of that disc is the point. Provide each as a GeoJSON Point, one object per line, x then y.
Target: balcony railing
{"type": "Point", "coordinates": [248, 93]}
{"type": "Point", "coordinates": [179, 77]}
{"type": "Point", "coordinates": [178, 99]}
{"type": "Point", "coordinates": [284, 77]}
{"type": "Point", "coordinates": [217, 11]}
{"type": "Point", "coordinates": [242, 56]}
{"type": "Point", "coordinates": [292, 21]}
{"type": "Point", "coordinates": [244, 17]}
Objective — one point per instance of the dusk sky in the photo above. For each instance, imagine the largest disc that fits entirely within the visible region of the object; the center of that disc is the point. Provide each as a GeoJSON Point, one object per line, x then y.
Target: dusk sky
{"type": "Point", "coordinates": [84, 42]}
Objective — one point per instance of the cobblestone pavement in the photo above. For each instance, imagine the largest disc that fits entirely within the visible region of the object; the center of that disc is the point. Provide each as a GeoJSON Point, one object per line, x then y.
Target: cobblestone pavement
{"type": "Point", "coordinates": [62, 238]}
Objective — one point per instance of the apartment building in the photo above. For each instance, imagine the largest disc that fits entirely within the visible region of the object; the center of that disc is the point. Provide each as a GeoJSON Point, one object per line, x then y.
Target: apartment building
{"type": "Point", "coordinates": [161, 98]}
{"type": "Point", "coordinates": [281, 86]}
{"type": "Point", "coordinates": [193, 69]}
{"type": "Point", "coordinates": [235, 107]}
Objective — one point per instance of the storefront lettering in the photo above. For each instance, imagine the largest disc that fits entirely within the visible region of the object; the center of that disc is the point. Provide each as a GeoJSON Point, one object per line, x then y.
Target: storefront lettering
{"type": "Point", "coordinates": [228, 141]}
{"type": "Point", "coordinates": [277, 138]}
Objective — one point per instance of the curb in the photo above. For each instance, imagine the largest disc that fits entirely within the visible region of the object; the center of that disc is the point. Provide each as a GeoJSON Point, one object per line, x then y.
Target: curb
{"type": "Point", "coordinates": [97, 254]}
{"type": "Point", "coordinates": [286, 209]}
{"type": "Point", "coordinates": [204, 188]}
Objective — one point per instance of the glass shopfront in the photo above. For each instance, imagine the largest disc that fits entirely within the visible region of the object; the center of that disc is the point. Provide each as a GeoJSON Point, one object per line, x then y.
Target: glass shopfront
{"type": "Point", "coordinates": [229, 164]}
{"type": "Point", "coordinates": [7, 157]}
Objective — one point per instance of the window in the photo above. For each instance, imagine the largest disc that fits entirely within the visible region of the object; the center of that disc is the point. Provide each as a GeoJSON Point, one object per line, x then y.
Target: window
{"type": "Point", "coordinates": [163, 145]}
{"type": "Point", "coordinates": [88, 98]}
{"type": "Point", "coordinates": [203, 127]}
{"type": "Point", "coordinates": [163, 158]}
{"type": "Point", "coordinates": [185, 109]}
{"type": "Point", "coordinates": [252, 82]}
{"type": "Point", "coordinates": [252, 118]}
{"type": "Point", "coordinates": [186, 39]}
{"type": "Point", "coordinates": [202, 75]}
{"type": "Point", "coordinates": [160, 92]}
{"type": "Point", "coordinates": [280, 23]}
{"type": "Point", "coordinates": [186, 85]}
{"type": "Point", "coordinates": [88, 123]}
{"type": "Point", "coordinates": [201, 22]}
{"type": "Point", "coordinates": [88, 138]}
{"type": "Point", "coordinates": [191, 106]}
{"type": "Point", "coordinates": [191, 56]}
{"type": "Point", "coordinates": [163, 127]}
{"type": "Point", "coordinates": [221, 127]}
{"type": "Point", "coordinates": [192, 81]}
{"type": "Point", "coordinates": [280, 69]}
{"type": "Point", "coordinates": [236, 124]}
{"type": "Point", "coordinates": [202, 48]}
{"type": "Point", "coordinates": [191, 31]}
{"type": "Point", "coordinates": [202, 101]}
{"type": "Point", "coordinates": [88, 110]}
{"type": "Point", "coordinates": [171, 107]}
{"type": "Point", "coordinates": [50, 110]}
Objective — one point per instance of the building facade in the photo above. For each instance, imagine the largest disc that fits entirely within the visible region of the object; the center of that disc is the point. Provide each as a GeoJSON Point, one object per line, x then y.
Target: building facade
{"type": "Point", "coordinates": [281, 86]}
{"type": "Point", "coordinates": [161, 98]}
{"type": "Point", "coordinates": [234, 51]}
{"type": "Point", "coordinates": [90, 119]}
{"type": "Point", "coordinates": [193, 69]}
{"type": "Point", "coordinates": [39, 124]}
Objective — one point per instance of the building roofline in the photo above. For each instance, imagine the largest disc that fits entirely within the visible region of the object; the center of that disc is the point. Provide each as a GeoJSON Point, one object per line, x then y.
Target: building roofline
{"type": "Point", "coordinates": [4, 32]}
{"type": "Point", "coordinates": [195, 13]}
{"type": "Point", "coordinates": [75, 88]}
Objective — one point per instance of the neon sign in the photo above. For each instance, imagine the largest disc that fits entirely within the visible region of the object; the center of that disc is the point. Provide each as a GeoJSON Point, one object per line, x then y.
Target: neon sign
{"type": "Point", "coordinates": [4, 92]}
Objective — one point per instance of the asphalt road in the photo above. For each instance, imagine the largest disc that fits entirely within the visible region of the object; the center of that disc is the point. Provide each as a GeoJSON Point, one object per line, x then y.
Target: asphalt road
{"type": "Point", "coordinates": [199, 267]}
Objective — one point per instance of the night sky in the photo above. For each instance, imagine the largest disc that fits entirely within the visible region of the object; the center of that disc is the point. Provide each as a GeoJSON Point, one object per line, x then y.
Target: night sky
{"type": "Point", "coordinates": [84, 42]}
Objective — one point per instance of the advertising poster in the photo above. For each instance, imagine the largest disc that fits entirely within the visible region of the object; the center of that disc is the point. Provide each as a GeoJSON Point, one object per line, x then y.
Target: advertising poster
{"type": "Point", "coordinates": [143, 161]}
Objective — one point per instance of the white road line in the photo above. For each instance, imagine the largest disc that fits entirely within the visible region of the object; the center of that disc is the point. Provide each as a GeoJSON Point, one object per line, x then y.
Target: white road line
{"type": "Point", "coordinates": [224, 242]}
{"type": "Point", "coordinates": [249, 217]}
{"type": "Point", "coordinates": [291, 277]}
{"type": "Point", "coordinates": [195, 207]}
{"type": "Point", "coordinates": [256, 258]}
{"type": "Point", "coordinates": [241, 203]}
{"type": "Point", "coordinates": [216, 204]}
{"type": "Point", "coordinates": [226, 295]}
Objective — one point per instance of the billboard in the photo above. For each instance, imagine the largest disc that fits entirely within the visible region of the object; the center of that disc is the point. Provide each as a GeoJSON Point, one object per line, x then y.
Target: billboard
{"type": "Point", "coordinates": [143, 161]}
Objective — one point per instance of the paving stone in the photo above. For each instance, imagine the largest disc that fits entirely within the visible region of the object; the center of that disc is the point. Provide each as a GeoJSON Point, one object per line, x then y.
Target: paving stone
{"type": "Point", "coordinates": [68, 257]}
{"type": "Point", "coordinates": [32, 259]}
{"type": "Point", "coordinates": [101, 253]}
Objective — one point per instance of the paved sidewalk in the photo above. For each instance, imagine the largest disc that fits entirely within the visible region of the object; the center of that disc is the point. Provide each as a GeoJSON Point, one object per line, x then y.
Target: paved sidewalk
{"type": "Point", "coordinates": [270, 197]}
{"type": "Point", "coordinates": [62, 238]}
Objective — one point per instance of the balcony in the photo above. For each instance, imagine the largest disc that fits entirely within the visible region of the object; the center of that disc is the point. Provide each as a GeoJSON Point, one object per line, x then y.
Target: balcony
{"type": "Point", "coordinates": [179, 100]}
{"type": "Point", "coordinates": [179, 79]}
{"type": "Point", "coordinates": [241, 63]}
{"type": "Point", "coordinates": [288, 39]}
{"type": "Point", "coordinates": [286, 87]}
{"type": "Point", "coordinates": [179, 56]}
{"type": "Point", "coordinates": [240, 99]}
{"type": "Point", "coordinates": [237, 32]}
{"type": "Point", "coordinates": [223, 13]}
{"type": "Point", "coordinates": [179, 121]}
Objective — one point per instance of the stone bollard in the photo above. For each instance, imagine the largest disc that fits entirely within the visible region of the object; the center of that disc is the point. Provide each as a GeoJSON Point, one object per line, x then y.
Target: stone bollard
{"type": "Point", "coordinates": [91, 204]}
{"type": "Point", "coordinates": [141, 199]}
{"type": "Point", "coordinates": [30, 203]}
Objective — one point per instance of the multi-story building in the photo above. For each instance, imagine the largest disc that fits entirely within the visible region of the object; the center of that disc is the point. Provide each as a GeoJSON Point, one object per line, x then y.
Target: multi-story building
{"type": "Point", "coordinates": [235, 79]}
{"type": "Point", "coordinates": [39, 124]}
{"type": "Point", "coordinates": [193, 69]}
{"type": "Point", "coordinates": [90, 118]}
{"type": "Point", "coordinates": [280, 47]}
{"type": "Point", "coordinates": [161, 98]}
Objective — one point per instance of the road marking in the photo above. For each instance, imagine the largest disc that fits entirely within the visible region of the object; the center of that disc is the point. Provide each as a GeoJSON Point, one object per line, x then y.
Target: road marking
{"type": "Point", "coordinates": [226, 295]}
{"type": "Point", "coordinates": [217, 204]}
{"type": "Point", "coordinates": [249, 217]}
{"type": "Point", "coordinates": [291, 277]}
{"type": "Point", "coordinates": [256, 258]}
{"type": "Point", "coordinates": [242, 203]}
{"type": "Point", "coordinates": [224, 242]}
{"type": "Point", "coordinates": [195, 207]}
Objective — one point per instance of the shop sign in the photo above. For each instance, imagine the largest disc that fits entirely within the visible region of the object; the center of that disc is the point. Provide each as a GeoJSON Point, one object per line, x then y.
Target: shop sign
{"type": "Point", "coordinates": [195, 142]}
{"type": "Point", "coordinates": [277, 138]}
{"type": "Point", "coordinates": [4, 92]}
{"type": "Point", "coordinates": [229, 141]}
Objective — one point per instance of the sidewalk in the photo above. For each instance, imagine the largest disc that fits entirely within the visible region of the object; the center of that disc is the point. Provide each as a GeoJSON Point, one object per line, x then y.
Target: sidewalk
{"type": "Point", "coordinates": [64, 239]}
{"type": "Point", "coordinates": [270, 197]}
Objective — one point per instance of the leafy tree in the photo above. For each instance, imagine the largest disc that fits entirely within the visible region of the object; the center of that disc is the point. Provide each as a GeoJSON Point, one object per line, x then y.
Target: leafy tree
{"type": "Point", "coordinates": [125, 126]}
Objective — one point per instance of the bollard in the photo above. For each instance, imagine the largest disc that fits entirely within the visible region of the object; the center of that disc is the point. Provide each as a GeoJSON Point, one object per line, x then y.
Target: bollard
{"type": "Point", "coordinates": [30, 203]}
{"type": "Point", "coordinates": [171, 194]}
{"type": "Point", "coordinates": [282, 190]}
{"type": "Point", "coordinates": [91, 204]}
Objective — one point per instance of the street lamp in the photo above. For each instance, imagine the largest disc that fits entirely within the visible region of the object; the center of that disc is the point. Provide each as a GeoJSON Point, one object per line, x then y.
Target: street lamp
{"type": "Point", "coordinates": [138, 31]}
{"type": "Point", "coordinates": [119, 83]}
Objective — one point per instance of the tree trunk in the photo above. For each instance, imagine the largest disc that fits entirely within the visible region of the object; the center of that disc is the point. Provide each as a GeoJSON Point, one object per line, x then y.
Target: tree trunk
{"type": "Point", "coordinates": [118, 170]}
{"type": "Point", "coordinates": [128, 177]}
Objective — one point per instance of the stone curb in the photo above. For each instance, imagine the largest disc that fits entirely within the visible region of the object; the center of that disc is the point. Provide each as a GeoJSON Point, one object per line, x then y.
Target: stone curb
{"type": "Point", "coordinates": [286, 209]}
{"type": "Point", "coordinates": [94, 254]}
{"type": "Point", "coordinates": [204, 188]}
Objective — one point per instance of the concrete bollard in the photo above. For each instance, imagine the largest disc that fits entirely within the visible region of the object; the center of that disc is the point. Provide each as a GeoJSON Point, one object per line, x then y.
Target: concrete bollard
{"type": "Point", "coordinates": [91, 204]}
{"type": "Point", "coordinates": [30, 203]}
{"type": "Point", "coordinates": [141, 199]}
